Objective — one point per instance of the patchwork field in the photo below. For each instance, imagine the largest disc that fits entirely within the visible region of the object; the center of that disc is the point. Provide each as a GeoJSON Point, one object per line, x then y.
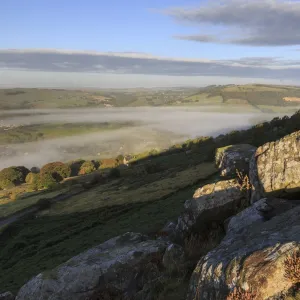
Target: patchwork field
{"type": "Point", "coordinates": [251, 94]}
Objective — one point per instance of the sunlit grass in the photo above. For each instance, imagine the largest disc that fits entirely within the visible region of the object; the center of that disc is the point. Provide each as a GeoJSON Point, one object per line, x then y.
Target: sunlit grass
{"type": "Point", "coordinates": [116, 193]}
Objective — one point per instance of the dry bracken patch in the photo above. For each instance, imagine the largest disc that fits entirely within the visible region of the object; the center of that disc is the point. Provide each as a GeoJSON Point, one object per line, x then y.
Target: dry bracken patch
{"type": "Point", "coordinates": [292, 267]}
{"type": "Point", "coordinates": [240, 294]}
{"type": "Point", "coordinates": [245, 187]}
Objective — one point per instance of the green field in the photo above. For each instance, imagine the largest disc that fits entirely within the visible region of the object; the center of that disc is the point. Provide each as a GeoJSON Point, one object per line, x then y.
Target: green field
{"type": "Point", "coordinates": [49, 98]}
{"type": "Point", "coordinates": [31, 133]}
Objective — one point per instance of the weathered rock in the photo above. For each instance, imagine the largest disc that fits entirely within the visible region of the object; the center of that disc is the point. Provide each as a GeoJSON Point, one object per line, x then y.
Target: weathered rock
{"type": "Point", "coordinates": [173, 259]}
{"type": "Point", "coordinates": [260, 211]}
{"type": "Point", "coordinates": [246, 218]}
{"type": "Point", "coordinates": [250, 259]}
{"type": "Point", "coordinates": [213, 203]}
{"type": "Point", "coordinates": [275, 169]}
{"type": "Point", "coordinates": [232, 158]}
{"type": "Point", "coordinates": [122, 264]}
{"type": "Point", "coordinates": [7, 296]}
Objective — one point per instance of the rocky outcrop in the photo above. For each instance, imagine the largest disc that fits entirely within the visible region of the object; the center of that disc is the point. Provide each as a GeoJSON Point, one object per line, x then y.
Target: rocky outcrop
{"type": "Point", "coordinates": [275, 169]}
{"type": "Point", "coordinates": [7, 296]}
{"type": "Point", "coordinates": [122, 266]}
{"type": "Point", "coordinates": [251, 259]}
{"type": "Point", "coordinates": [211, 203]}
{"type": "Point", "coordinates": [232, 158]}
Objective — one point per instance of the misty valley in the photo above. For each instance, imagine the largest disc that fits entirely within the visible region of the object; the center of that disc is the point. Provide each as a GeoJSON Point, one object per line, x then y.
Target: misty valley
{"type": "Point", "coordinates": [39, 137]}
{"type": "Point", "coordinates": [43, 125]}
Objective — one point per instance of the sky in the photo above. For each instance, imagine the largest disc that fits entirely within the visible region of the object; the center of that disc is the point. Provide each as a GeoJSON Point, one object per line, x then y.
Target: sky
{"type": "Point", "coordinates": [120, 43]}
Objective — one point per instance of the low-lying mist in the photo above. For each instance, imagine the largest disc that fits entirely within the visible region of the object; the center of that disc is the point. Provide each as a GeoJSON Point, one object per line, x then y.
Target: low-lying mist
{"type": "Point", "coordinates": [155, 128]}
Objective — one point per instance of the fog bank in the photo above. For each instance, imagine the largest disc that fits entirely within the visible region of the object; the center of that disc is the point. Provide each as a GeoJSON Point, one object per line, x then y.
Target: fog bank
{"type": "Point", "coordinates": [155, 128]}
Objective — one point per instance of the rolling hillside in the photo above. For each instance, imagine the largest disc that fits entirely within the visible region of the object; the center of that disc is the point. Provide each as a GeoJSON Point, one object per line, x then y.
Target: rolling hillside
{"type": "Point", "coordinates": [266, 98]}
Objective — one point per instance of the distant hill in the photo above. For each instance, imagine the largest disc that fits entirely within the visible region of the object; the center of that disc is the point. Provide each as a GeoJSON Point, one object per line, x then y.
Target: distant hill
{"type": "Point", "coordinates": [261, 97]}
{"type": "Point", "coordinates": [255, 94]}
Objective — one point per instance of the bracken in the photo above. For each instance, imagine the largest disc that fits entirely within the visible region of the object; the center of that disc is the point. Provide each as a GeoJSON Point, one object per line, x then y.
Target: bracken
{"type": "Point", "coordinates": [292, 267]}
{"type": "Point", "coordinates": [240, 294]}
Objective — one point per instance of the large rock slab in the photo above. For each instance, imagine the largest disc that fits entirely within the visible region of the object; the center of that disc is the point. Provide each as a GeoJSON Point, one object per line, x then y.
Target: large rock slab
{"type": "Point", "coordinates": [120, 265]}
{"type": "Point", "coordinates": [213, 203]}
{"type": "Point", "coordinates": [231, 158]}
{"type": "Point", "coordinates": [250, 259]}
{"type": "Point", "coordinates": [275, 169]}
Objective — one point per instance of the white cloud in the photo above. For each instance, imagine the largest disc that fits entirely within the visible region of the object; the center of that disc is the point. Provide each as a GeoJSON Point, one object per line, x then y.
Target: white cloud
{"type": "Point", "coordinates": [252, 23]}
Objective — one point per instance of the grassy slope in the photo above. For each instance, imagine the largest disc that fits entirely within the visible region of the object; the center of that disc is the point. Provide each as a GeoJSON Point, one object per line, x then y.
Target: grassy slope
{"type": "Point", "coordinates": [149, 188]}
{"type": "Point", "coordinates": [83, 221]}
{"type": "Point", "coordinates": [9, 207]}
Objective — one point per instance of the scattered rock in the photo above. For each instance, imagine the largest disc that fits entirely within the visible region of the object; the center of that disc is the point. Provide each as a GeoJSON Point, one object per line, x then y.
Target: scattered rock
{"type": "Point", "coordinates": [232, 158]}
{"type": "Point", "coordinates": [275, 169]}
{"type": "Point", "coordinates": [7, 296]}
{"type": "Point", "coordinates": [122, 264]}
{"type": "Point", "coordinates": [211, 203]}
{"type": "Point", "coordinates": [250, 259]}
{"type": "Point", "coordinates": [261, 211]}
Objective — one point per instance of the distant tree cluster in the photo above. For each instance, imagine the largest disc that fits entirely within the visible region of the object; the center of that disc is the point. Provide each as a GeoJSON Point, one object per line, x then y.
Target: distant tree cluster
{"type": "Point", "coordinates": [87, 167]}
{"type": "Point", "coordinates": [53, 173]}
{"type": "Point", "coordinates": [12, 176]}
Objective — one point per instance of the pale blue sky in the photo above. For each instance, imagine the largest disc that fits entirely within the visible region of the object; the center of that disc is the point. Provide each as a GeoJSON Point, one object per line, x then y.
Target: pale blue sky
{"type": "Point", "coordinates": [114, 25]}
{"type": "Point", "coordinates": [195, 30]}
